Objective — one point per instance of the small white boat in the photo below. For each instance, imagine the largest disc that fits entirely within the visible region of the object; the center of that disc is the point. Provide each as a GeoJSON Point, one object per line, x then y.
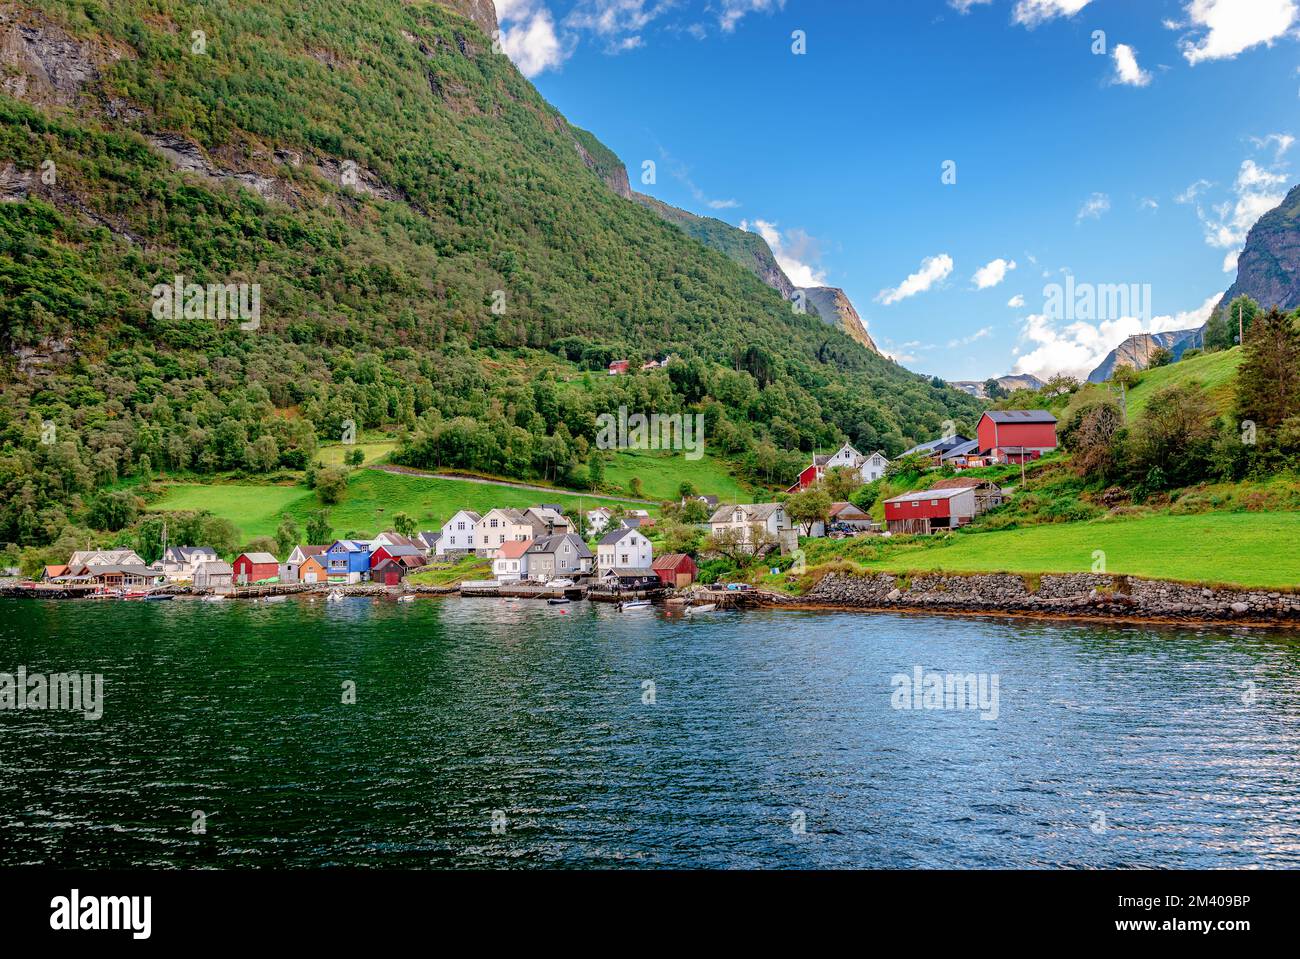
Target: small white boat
{"type": "Point", "coordinates": [274, 599]}
{"type": "Point", "coordinates": [334, 596]}
{"type": "Point", "coordinates": [702, 608]}
{"type": "Point", "coordinates": [634, 604]}
{"type": "Point", "coordinates": [409, 598]}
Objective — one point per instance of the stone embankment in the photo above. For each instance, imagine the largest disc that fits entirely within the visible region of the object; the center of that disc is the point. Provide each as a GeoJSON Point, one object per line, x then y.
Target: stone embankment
{"type": "Point", "coordinates": [1064, 595]}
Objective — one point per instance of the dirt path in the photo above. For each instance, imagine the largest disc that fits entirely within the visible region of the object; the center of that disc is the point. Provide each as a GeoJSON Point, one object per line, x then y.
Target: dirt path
{"type": "Point", "coordinates": [461, 477]}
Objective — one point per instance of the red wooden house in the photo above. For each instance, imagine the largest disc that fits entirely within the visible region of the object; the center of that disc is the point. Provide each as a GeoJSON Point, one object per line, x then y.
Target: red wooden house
{"type": "Point", "coordinates": [407, 556]}
{"type": "Point", "coordinates": [676, 570]}
{"type": "Point", "coordinates": [930, 510]}
{"type": "Point", "coordinates": [619, 367]}
{"type": "Point", "coordinates": [254, 567]}
{"type": "Point", "coordinates": [1015, 435]}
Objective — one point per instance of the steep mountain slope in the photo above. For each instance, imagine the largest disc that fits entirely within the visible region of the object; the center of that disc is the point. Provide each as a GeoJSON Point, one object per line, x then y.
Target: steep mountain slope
{"type": "Point", "coordinates": [1136, 351]}
{"type": "Point", "coordinates": [1268, 270]}
{"type": "Point", "coordinates": [751, 251]}
{"type": "Point", "coordinates": [435, 249]}
{"type": "Point", "coordinates": [833, 306]}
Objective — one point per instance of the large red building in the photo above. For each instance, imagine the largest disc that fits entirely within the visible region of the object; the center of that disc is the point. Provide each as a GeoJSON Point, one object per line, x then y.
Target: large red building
{"type": "Point", "coordinates": [929, 510]}
{"type": "Point", "coordinates": [255, 567]}
{"type": "Point", "coordinates": [1015, 435]}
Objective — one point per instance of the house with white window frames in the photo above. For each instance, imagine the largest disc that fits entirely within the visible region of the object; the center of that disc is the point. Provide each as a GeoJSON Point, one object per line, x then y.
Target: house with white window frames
{"type": "Point", "coordinates": [501, 526]}
{"type": "Point", "coordinates": [623, 549]}
{"type": "Point", "coordinates": [457, 537]}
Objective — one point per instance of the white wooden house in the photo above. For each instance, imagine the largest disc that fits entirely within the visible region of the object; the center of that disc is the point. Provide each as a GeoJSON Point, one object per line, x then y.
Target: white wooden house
{"type": "Point", "coordinates": [623, 549]}
{"type": "Point", "coordinates": [457, 537]}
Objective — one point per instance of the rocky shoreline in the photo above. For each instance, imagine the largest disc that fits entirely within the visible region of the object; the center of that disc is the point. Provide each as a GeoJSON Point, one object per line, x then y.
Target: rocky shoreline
{"type": "Point", "coordinates": [1050, 595]}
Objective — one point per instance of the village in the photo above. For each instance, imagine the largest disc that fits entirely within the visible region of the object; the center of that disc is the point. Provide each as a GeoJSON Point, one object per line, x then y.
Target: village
{"type": "Point", "coordinates": [601, 553]}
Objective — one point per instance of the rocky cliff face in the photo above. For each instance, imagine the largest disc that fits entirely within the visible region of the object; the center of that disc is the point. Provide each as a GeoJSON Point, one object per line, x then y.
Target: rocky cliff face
{"type": "Point", "coordinates": [1268, 270]}
{"type": "Point", "coordinates": [835, 309]}
{"type": "Point", "coordinates": [1138, 349]}
{"type": "Point", "coordinates": [482, 12]}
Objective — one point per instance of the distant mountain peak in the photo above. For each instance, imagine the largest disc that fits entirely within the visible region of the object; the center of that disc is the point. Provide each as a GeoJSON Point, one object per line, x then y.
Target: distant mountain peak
{"type": "Point", "coordinates": [1137, 350]}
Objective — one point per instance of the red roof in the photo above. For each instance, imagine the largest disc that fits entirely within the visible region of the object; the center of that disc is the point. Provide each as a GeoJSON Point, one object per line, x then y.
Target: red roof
{"type": "Point", "coordinates": [513, 550]}
{"type": "Point", "coordinates": [673, 561]}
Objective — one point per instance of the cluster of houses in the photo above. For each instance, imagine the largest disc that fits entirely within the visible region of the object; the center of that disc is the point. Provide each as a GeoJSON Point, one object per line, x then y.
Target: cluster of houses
{"type": "Point", "coordinates": [1002, 436]}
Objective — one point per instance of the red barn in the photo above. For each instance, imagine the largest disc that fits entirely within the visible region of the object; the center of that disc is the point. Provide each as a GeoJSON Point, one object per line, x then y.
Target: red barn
{"type": "Point", "coordinates": [619, 367]}
{"type": "Point", "coordinates": [930, 510]}
{"type": "Point", "coordinates": [389, 572]}
{"type": "Point", "coordinates": [676, 570]}
{"type": "Point", "coordinates": [1015, 435]}
{"type": "Point", "coordinates": [255, 567]}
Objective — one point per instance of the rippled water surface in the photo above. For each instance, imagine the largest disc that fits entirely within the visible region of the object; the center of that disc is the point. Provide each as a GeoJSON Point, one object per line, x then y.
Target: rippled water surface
{"type": "Point", "coordinates": [1112, 747]}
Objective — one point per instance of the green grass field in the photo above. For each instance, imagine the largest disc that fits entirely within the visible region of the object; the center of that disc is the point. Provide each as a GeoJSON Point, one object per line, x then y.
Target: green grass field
{"type": "Point", "coordinates": [1216, 372]}
{"type": "Point", "coordinates": [374, 450]}
{"type": "Point", "coordinates": [1247, 549]}
{"type": "Point", "coordinates": [373, 499]}
{"type": "Point", "coordinates": [662, 473]}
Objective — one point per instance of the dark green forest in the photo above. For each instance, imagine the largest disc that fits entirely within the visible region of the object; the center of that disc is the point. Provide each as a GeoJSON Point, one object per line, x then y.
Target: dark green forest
{"type": "Point", "coordinates": [465, 289]}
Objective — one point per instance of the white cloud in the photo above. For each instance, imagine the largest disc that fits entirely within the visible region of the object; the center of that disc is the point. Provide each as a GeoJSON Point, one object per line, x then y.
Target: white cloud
{"type": "Point", "coordinates": [1016, 302]}
{"type": "Point", "coordinates": [1148, 203]}
{"type": "Point", "coordinates": [987, 277]}
{"type": "Point", "coordinates": [1127, 71]}
{"type": "Point", "coordinates": [1228, 27]}
{"type": "Point", "coordinates": [963, 6]}
{"type": "Point", "coordinates": [934, 269]}
{"type": "Point", "coordinates": [1094, 207]}
{"type": "Point", "coordinates": [1076, 349]}
{"type": "Point", "coordinates": [791, 250]}
{"type": "Point", "coordinates": [733, 11]}
{"type": "Point", "coordinates": [528, 36]}
{"type": "Point", "coordinates": [1193, 191]}
{"type": "Point", "coordinates": [612, 17]}
{"type": "Point", "coordinates": [1033, 12]}
{"type": "Point", "coordinates": [1256, 190]}
{"type": "Point", "coordinates": [968, 340]}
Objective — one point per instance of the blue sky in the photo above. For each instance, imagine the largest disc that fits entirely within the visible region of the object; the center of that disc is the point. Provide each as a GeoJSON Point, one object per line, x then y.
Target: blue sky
{"type": "Point", "coordinates": [1140, 157]}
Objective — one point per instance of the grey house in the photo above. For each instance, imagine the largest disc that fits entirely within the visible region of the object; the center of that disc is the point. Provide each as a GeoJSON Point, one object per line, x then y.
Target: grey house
{"type": "Point", "coordinates": [565, 555]}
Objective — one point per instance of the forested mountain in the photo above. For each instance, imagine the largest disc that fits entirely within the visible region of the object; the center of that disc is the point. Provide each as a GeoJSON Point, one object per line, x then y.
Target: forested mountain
{"type": "Point", "coordinates": [433, 248]}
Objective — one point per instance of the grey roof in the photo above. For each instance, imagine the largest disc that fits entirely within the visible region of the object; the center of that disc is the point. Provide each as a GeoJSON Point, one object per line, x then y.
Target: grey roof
{"type": "Point", "coordinates": [623, 572]}
{"type": "Point", "coordinates": [552, 544]}
{"type": "Point", "coordinates": [402, 550]}
{"type": "Point", "coordinates": [1020, 416]}
{"type": "Point", "coordinates": [188, 553]}
{"type": "Point", "coordinates": [941, 445]}
{"type": "Point", "coordinates": [260, 558]}
{"type": "Point", "coordinates": [609, 539]}
{"type": "Point", "coordinates": [930, 494]}
{"type": "Point", "coordinates": [963, 449]}
{"type": "Point", "coordinates": [214, 567]}
{"type": "Point", "coordinates": [754, 512]}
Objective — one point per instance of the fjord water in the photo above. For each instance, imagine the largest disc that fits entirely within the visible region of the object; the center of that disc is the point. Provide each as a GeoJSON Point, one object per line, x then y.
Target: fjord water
{"type": "Point", "coordinates": [475, 712]}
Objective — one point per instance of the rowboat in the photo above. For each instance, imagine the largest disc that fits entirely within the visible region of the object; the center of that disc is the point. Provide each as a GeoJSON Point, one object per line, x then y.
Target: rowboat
{"type": "Point", "coordinates": [702, 608]}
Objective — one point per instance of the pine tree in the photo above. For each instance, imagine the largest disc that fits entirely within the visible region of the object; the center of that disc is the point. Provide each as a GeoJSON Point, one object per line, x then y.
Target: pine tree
{"type": "Point", "coordinates": [1268, 381]}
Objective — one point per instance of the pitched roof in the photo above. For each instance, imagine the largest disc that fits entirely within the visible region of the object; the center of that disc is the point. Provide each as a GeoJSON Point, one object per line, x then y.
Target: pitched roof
{"type": "Point", "coordinates": [259, 558]}
{"type": "Point", "coordinates": [838, 508]}
{"type": "Point", "coordinates": [1020, 416]}
{"type": "Point", "coordinates": [52, 571]}
{"type": "Point", "coordinates": [468, 512]}
{"type": "Point", "coordinates": [514, 550]}
{"type": "Point", "coordinates": [313, 550]}
{"type": "Point", "coordinates": [941, 445]}
{"type": "Point", "coordinates": [105, 557]}
{"type": "Point", "coordinates": [552, 544]}
{"type": "Point", "coordinates": [610, 538]}
{"type": "Point", "coordinates": [928, 494]}
{"type": "Point", "coordinates": [215, 566]}
{"type": "Point", "coordinates": [670, 561]}
{"type": "Point", "coordinates": [962, 449]}
{"type": "Point", "coordinates": [637, 572]}
{"type": "Point", "coordinates": [402, 550]}
{"type": "Point", "coordinates": [187, 553]}
{"type": "Point", "coordinates": [754, 512]}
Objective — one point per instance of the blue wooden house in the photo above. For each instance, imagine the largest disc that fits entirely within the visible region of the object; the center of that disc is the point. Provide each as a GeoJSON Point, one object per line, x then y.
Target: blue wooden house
{"type": "Point", "coordinates": [347, 561]}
